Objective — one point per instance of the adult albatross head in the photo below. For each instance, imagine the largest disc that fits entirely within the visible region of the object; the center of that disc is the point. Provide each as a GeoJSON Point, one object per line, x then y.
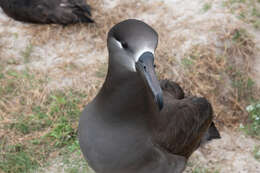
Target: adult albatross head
{"type": "Point", "coordinates": [131, 46]}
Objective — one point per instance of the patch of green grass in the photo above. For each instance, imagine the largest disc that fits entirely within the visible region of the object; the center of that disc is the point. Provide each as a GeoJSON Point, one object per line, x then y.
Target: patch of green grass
{"type": "Point", "coordinates": [242, 15]}
{"type": "Point", "coordinates": [239, 34]}
{"type": "Point", "coordinates": [16, 35]}
{"type": "Point", "coordinates": [27, 53]}
{"type": "Point", "coordinates": [35, 122]}
{"type": "Point", "coordinates": [17, 160]}
{"type": "Point", "coordinates": [256, 24]}
{"type": "Point", "coordinates": [43, 123]}
{"type": "Point", "coordinates": [10, 88]}
{"type": "Point", "coordinates": [76, 164]}
{"type": "Point", "coordinates": [64, 106]}
{"type": "Point", "coordinates": [9, 78]}
{"type": "Point", "coordinates": [60, 114]}
{"type": "Point", "coordinates": [73, 159]}
{"type": "Point", "coordinates": [2, 75]}
{"type": "Point", "coordinates": [247, 11]}
{"type": "Point", "coordinates": [241, 82]}
{"type": "Point", "coordinates": [70, 66]}
{"type": "Point", "coordinates": [74, 146]}
{"type": "Point", "coordinates": [243, 85]}
{"type": "Point", "coordinates": [186, 62]}
{"type": "Point", "coordinates": [12, 62]}
{"type": "Point", "coordinates": [65, 103]}
{"type": "Point", "coordinates": [12, 82]}
{"type": "Point", "coordinates": [256, 152]}
{"type": "Point", "coordinates": [255, 12]}
{"type": "Point", "coordinates": [203, 170]}
{"type": "Point", "coordinates": [102, 71]}
{"type": "Point", "coordinates": [254, 115]}
{"type": "Point", "coordinates": [22, 127]}
{"type": "Point", "coordinates": [63, 133]}
{"type": "Point", "coordinates": [199, 170]}
{"type": "Point", "coordinates": [238, 72]}
{"type": "Point", "coordinates": [206, 7]}
{"type": "Point", "coordinates": [235, 1]}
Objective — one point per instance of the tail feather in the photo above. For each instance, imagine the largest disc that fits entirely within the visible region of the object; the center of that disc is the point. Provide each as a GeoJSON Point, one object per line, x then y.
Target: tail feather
{"type": "Point", "coordinates": [86, 8]}
{"type": "Point", "coordinates": [211, 134]}
{"type": "Point", "coordinates": [83, 17]}
{"type": "Point", "coordinates": [83, 11]}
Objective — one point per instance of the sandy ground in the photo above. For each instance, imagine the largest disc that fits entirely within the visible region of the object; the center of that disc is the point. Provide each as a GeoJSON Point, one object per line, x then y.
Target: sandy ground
{"type": "Point", "coordinates": [55, 50]}
{"type": "Point", "coordinates": [232, 153]}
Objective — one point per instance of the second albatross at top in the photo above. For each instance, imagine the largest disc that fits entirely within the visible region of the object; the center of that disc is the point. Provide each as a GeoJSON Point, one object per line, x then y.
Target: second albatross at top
{"type": "Point", "coordinates": [137, 124]}
{"type": "Point", "coordinates": [62, 12]}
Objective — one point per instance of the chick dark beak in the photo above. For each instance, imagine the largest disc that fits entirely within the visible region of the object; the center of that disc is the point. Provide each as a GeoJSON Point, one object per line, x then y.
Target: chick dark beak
{"type": "Point", "coordinates": [145, 66]}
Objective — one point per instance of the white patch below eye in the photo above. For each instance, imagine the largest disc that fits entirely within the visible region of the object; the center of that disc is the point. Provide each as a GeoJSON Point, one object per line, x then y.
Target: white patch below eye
{"type": "Point", "coordinates": [138, 54]}
{"type": "Point", "coordinates": [119, 44]}
{"type": "Point", "coordinates": [133, 66]}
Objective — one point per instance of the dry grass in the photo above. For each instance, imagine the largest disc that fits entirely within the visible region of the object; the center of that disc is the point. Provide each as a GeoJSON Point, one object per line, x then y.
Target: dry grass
{"type": "Point", "coordinates": [219, 72]}
{"type": "Point", "coordinates": [246, 10]}
{"type": "Point", "coordinates": [224, 78]}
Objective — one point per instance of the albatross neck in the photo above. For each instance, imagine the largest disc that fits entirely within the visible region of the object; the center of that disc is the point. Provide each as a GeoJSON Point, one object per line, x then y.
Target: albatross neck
{"type": "Point", "coordinates": [124, 87]}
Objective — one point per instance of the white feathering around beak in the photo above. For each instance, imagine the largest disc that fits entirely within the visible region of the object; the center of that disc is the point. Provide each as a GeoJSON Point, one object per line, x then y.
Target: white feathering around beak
{"type": "Point", "coordinates": [138, 54]}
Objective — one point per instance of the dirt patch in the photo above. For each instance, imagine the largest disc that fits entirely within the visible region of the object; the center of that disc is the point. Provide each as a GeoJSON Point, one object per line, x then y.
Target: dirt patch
{"type": "Point", "coordinates": [232, 153]}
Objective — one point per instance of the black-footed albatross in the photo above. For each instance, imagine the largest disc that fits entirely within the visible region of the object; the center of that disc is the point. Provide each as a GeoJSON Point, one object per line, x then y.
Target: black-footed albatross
{"type": "Point", "coordinates": [48, 11]}
{"type": "Point", "coordinates": [136, 124]}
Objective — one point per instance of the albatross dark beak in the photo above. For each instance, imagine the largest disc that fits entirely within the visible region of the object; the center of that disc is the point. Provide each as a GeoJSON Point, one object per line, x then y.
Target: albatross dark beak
{"type": "Point", "coordinates": [145, 66]}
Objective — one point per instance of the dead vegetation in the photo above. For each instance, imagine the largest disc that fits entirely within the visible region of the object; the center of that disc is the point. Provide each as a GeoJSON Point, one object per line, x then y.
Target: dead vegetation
{"type": "Point", "coordinates": [224, 77]}
{"type": "Point", "coordinates": [219, 70]}
{"type": "Point", "coordinates": [246, 10]}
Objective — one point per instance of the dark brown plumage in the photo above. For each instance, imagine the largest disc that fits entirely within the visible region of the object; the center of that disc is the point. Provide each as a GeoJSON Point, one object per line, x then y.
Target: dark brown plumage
{"type": "Point", "coordinates": [48, 11]}
{"type": "Point", "coordinates": [171, 89]}
{"type": "Point", "coordinates": [185, 122]}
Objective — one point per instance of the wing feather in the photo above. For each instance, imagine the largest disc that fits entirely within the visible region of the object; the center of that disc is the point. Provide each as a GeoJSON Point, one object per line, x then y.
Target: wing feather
{"type": "Point", "coordinates": [182, 123]}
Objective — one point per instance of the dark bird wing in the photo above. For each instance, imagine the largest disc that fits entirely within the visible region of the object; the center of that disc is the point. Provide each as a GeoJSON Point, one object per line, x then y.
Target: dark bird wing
{"type": "Point", "coordinates": [83, 6]}
{"type": "Point", "coordinates": [182, 124]}
{"type": "Point", "coordinates": [212, 133]}
{"type": "Point", "coordinates": [171, 88]}
{"type": "Point", "coordinates": [48, 11]}
{"type": "Point", "coordinates": [67, 12]}
{"type": "Point", "coordinates": [174, 91]}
